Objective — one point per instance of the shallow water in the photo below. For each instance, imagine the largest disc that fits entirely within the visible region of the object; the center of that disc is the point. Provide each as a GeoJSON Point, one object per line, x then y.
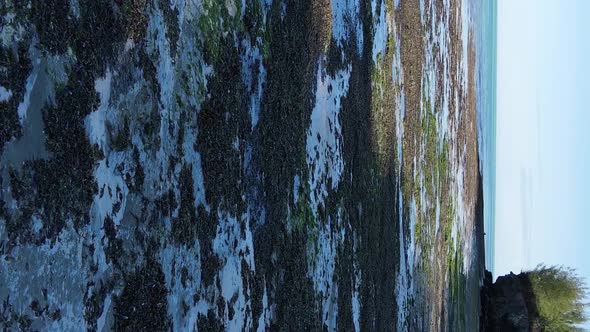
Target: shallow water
{"type": "Point", "coordinates": [486, 13]}
{"type": "Point", "coordinates": [247, 180]}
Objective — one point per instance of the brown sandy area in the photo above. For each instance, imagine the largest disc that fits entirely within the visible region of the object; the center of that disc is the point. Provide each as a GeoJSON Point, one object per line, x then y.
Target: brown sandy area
{"type": "Point", "coordinates": [436, 292]}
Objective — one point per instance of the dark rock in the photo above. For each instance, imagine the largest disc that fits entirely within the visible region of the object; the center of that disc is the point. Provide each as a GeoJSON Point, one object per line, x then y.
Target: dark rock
{"type": "Point", "coordinates": [143, 304]}
{"type": "Point", "coordinates": [508, 304]}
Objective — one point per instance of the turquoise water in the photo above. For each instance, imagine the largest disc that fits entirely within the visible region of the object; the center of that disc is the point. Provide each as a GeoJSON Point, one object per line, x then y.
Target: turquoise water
{"type": "Point", "coordinates": [485, 23]}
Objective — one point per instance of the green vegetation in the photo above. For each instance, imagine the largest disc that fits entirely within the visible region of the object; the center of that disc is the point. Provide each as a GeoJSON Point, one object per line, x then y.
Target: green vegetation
{"type": "Point", "coordinates": [381, 107]}
{"type": "Point", "coordinates": [216, 21]}
{"type": "Point", "coordinates": [210, 27]}
{"type": "Point", "coordinates": [303, 216]}
{"type": "Point", "coordinates": [432, 176]}
{"type": "Point", "coordinates": [456, 284]}
{"type": "Point", "coordinates": [559, 293]}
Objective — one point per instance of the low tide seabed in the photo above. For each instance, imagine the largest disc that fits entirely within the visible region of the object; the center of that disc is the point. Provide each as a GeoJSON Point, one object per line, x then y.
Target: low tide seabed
{"type": "Point", "coordinates": [254, 164]}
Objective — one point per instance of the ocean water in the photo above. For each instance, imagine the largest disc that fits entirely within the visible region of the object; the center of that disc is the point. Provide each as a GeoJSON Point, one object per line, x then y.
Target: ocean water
{"type": "Point", "coordinates": [486, 42]}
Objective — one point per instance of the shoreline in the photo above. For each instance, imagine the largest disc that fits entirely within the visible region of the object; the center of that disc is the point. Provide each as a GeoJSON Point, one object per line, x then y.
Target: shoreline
{"type": "Point", "coordinates": [292, 164]}
{"type": "Point", "coordinates": [463, 185]}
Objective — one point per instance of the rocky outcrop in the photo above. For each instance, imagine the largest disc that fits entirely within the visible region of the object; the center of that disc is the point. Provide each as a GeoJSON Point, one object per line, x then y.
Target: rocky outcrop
{"type": "Point", "coordinates": [508, 304]}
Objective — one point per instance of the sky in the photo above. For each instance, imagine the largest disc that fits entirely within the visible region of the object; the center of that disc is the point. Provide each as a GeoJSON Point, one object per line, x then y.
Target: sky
{"type": "Point", "coordinates": [543, 135]}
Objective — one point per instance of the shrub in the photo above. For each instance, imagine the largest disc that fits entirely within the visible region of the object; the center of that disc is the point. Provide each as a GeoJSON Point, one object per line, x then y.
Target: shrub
{"type": "Point", "coordinates": [559, 293]}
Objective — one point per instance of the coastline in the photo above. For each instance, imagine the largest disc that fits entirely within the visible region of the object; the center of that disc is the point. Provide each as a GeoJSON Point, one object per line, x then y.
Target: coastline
{"type": "Point", "coordinates": [442, 206]}
{"type": "Point", "coordinates": [252, 171]}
